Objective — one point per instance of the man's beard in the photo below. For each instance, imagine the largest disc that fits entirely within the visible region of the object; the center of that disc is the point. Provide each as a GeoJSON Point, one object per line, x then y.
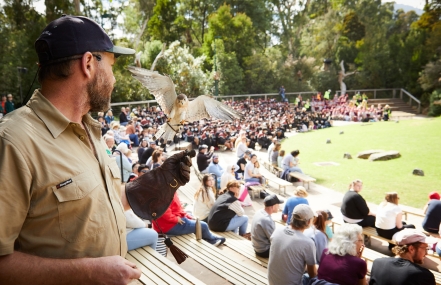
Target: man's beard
{"type": "Point", "coordinates": [99, 93]}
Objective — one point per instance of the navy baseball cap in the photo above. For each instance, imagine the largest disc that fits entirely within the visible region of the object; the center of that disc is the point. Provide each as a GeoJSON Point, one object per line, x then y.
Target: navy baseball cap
{"type": "Point", "coordinates": [74, 35]}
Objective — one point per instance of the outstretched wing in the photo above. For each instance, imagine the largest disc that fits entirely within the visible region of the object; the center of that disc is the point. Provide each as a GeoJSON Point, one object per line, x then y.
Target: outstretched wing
{"type": "Point", "coordinates": [204, 107]}
{"type": "Point", "coordinates": [160, 86]}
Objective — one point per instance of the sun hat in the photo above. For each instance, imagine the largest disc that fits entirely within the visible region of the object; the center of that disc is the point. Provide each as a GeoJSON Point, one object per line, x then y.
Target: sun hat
{"type": "Point", "coordinates": [408, 236]}
{"type": "Point", "coordinates": [74, 35]}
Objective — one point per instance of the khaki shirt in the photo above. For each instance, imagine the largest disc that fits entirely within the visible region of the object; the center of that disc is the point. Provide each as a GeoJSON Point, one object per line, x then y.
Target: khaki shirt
{"type": "Point", "coordinates": [57, 198]}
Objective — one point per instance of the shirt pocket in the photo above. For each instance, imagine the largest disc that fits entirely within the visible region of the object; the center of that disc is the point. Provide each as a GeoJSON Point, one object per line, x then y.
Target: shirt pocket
{"type": "Point", "coordinates": [81, 208]}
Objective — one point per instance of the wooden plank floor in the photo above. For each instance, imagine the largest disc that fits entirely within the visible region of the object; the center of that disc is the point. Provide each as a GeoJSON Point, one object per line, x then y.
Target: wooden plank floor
{"type": "Point", "coordinates": [242, 246]}
{"type": "Point", "coordinates": [212, 258]}
{"type": "Point", "coordinates": [157, 269]}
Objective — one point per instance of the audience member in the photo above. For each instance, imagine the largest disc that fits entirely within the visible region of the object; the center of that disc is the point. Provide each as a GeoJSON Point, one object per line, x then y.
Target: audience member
{"type": "Point", "coordinates": [275, 154]}
{"type": "Point", "coordinates": [229, 175]}
{"type": "Point", "coordinates": [132, 132]}
{"type": "Point", "coordinates": [270, 149]}
{"type": "Point", "coordinates": [134, 174]}
{"type": "Point", "coordinates": [137, 232]}
{"type": "Point", "coordinates": [110, 143]}
{"type": "Point", "coordinates": [148, 152]}
{"type": "Point", "coordinates": [292, 251]}
{"type": "Point", "coordinates": [203, 158]}
{"type": "Point", "coordinates": [157, 159]}
{"type": "Point", "coordinates": [142, 147]}
{"type": "Point", "coordinates": [355, 209]}
{"type": "Point", "coordinates": [405, 269]}
{"type": "Point", "coordinates": [204, 198]}
{"type": "Point", "coordinates": [299, 197]}
{"type": "Point", "coordinates": [175, 221]}
{"type": "Point", "coordinates": [242, 162]}
{"type": "Point", "coordinates": [215, 167]}
{"type": "Point", "coordinates": [109, 118]}
{"type": "Point", "coordinates": [123, 161]}
{"type": "Point", "coordinates": [432, 219]}
{"type": "Point", "coordinates": [227, 214]}
{"type": "Point", "coordinates": [341, 263]}
{"type": "Point", "coordinates": [9, 105]}
{"type": "Point", "coordinates": [241, 147]}
{"type": "Point", "coordinates": [249, 174]}
{"type": "Point", "coordinates": [280, 158]}
{"type": "Point", "coordinates": [317, 232]}
{"type": "Point", "coordinates": [328, 229]}
{"type": "Point", "coordinates": [123, 117]}
{"type": "Point", "coordinates": [389, 217]}
{"type": "Point", "coordinates": [263, 225]}
{"type": "Point", "coordinates": [291, 161]}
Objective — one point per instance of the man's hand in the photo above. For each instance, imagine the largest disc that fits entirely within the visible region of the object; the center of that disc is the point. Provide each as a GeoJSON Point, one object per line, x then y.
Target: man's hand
{"type": "Point", "coordinates": [114, 270]}
{"type": "Point", "coordinates": [21, 268]}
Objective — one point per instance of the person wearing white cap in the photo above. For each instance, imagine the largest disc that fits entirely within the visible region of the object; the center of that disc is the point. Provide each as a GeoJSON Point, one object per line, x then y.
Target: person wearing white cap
{"type": "Point", "coordinates": [405, 269]}
{"type": "Point", "coordinates": [263, 225]}
{"type": "Point", "coordinates": [292, 251]}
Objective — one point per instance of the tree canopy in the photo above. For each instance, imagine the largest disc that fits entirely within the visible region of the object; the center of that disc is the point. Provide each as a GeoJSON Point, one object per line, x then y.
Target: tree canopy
{"type": "Point", "coordinates": [251, 46]}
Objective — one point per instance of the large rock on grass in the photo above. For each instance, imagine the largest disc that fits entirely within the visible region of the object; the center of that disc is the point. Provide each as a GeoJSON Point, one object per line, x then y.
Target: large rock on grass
{"type": "Point", "coordinates": [418, 172]}
{"type": "Point", "coordinates": [386, 155]}
{"type": "Point", "coordinates": [367, 153]}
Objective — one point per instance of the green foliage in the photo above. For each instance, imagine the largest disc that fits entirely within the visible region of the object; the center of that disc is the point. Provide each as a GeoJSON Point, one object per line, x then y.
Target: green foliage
{"type": "Point", "coordinates": [435, 109]}
{"type": "Point", "coordinates": [352, 28]}
{"type": "Point", "coordinates": [231, 77]}
{"type": "Point", "coordinates": [236, 32]}
{"type": "Point", "coordinates": [324, 80]}
{"type": "Point", "coordinates": [166, 24]}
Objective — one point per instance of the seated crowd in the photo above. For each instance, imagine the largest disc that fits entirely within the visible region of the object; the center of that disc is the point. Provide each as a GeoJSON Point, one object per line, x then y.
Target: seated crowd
{"type": "Point", "coordinates": [338, 254]}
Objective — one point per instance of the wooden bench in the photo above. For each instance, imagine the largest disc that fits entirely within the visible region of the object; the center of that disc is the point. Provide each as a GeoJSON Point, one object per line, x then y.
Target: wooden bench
{"type": "Point", "coordinates": [412, 211]}
{"type": "Point", "coordinates": [221, 147]}
{"type": "Point", "coordinates": [302, 177]}
{"type": "Point", "coordinates": [280, 183]}
{"type": "Point", "coordinates": [188, 191]}
{"type": "Point", "coordinates": [372, 232]}
{"type": "Point", "coordinates": [370, 255]}
{"type": "Point", "coordinates": [242, 246]}
{"type": "Point", "coordinates": [199, 175]}
{"type": "Point", "coordinates": [255, 189]}
{"type": "Point", "coordinates": [214, 259]}
{"type": "Point", "coordinates": [157, 269]}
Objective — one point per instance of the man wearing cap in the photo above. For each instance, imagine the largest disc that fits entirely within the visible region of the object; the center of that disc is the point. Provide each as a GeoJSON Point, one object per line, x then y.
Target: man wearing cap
{"type": "Point", "coordinates": [215, 167]}
{"type": "Point", "coordinates": [263, 225]}
{"type": "Point", "coordinates": [405, 269]}
{"type": "Point", "coordinates": [292, 251]}
{"type": "Point", "coordinates": [432, 219]}
{"type": "Point", "coordinates": [147, 153]}
{"type": "Point", "coordinates": [65, 226]}
{"type": "Point", "coordinates": [204, 158]}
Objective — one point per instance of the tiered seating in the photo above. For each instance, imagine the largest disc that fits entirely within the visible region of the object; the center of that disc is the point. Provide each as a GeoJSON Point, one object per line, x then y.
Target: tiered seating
{"type": "Point", "coordinates": [214, 259]}
{"type": "Point", "coordinates": [157, 269]}
{"type": "Point", "coordinates": [243, 246]}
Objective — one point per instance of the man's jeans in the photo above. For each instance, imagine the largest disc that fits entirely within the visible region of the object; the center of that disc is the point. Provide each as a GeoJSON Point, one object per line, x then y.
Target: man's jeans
{"type": "Point", "coordinates": [189, 227]}
{"type": "Point", "coordinates": [240, 223]}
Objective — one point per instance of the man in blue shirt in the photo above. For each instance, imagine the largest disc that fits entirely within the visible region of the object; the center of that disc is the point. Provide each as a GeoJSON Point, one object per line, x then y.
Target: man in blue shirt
{"type": "Point", "coordinates": [215, 167]}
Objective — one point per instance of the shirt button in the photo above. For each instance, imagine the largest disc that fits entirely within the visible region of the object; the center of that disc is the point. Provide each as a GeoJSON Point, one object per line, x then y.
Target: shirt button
{"type": "Point", "coordinates": [121, 231]}
{"type": "Point", "coordinates": [82, 138]}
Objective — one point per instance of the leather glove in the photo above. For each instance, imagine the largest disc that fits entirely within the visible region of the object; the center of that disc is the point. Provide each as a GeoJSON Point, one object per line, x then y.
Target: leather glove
{"type": "Point", "coordinates": [151, 194]}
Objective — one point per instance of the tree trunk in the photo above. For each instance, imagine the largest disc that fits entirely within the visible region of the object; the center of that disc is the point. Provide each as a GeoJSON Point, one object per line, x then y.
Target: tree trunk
{"type": "Point", "coordinates": [77, 7]}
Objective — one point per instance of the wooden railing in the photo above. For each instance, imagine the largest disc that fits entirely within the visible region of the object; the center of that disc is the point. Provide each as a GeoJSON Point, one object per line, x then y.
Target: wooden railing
{"type": "Point", "coordinates": [382, 93]}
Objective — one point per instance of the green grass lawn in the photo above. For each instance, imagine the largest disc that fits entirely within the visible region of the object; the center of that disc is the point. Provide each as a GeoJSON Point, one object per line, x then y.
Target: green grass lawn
{"type": "Point", "coordinates": [418, 141]}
